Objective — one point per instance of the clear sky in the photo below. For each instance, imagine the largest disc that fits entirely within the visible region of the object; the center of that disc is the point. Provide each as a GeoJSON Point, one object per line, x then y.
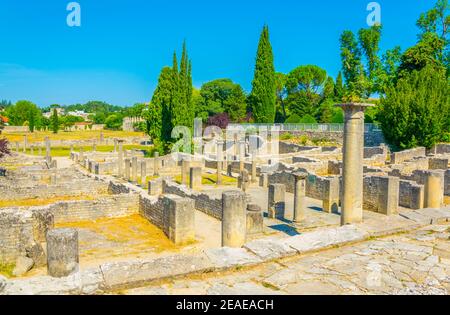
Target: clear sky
{"type": "Point", "coordinates": [121, 46]}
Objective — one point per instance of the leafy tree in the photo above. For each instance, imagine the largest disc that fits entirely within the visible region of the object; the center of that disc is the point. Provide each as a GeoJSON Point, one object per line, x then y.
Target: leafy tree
{"type": "Point", "coordinates": [222, 95]}
{"type": "Point", "coordinates": [160, 109]}
{"type": "Point", "coordinates": [293, 119]}
{"type": "Point", "coordinates": [352, 66]}
{"type": "Point", "coordinates": [307, 87]}
{"type": "Point", "coordinates": [339, 88]}
{"type": "Point", "coordinates": [114, 122]}
{"type": "Point", "coordinates": [416, 109]}
{"type": "Point", "coordinates": [263, 96]}
{"type": "Point", "coordinates": [69, 121]}
{"type": "Point", "coordinates": [55, 121]}
{"type": "Point", "coordinates": [281, 92]}
{"type": "Point", "coordinates": [220, 120]}
{"type": "Point", "coordinates": [308, 119]}
{"type": "Point", "coordinates": [22, 112]}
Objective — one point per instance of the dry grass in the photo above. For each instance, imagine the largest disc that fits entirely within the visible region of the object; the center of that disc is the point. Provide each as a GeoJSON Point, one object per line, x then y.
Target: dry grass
{"type": "Point", "coordinates": [39, 136]}
{"type": "Point", "coordinates": [133, 229]}
{"type": "Point", "coordinates": [42, 201]}
{"type": "Point", "coordinates": [6, 270]}
{"type": "Point", "coordinates": [65, 150]}
{"type": "Point", "coordinates": [211, 179]}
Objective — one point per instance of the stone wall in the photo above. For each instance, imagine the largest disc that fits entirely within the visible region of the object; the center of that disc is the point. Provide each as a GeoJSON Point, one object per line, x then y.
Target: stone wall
{"type": "Point", "coordinates": [16, 233]}
{"type": "Point", "coordinates": [381, 194]}
{"type": "Point", "coordinates": [203, 202]}
{"type": "Point", "coordinates": [438, 164]}
{"type": "Point", "coordinates": [447, 183]}
{"type": "Point", "coordinates": [411, 195]}
{"type": "Point", "coordinates": [400, 157]}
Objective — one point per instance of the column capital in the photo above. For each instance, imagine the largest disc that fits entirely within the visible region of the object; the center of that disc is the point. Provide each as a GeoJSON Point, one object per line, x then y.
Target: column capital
{"type": "Point", "coordinates": [360, 106]}
{"type": "Point", "coordinates": [300, 175]}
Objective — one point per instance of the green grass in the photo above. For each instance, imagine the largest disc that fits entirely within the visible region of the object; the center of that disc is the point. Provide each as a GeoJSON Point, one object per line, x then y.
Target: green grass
{"type": "Point", "coordinates": [65, 150]}
{"type": "Point", "coordinates": [211, 179]}
{"type": "Point", "coordinates": [6, 269]}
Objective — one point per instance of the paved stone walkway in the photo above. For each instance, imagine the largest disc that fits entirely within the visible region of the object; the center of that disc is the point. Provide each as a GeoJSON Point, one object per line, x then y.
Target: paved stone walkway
{"type": "Point", "coordinates": [414, 263]}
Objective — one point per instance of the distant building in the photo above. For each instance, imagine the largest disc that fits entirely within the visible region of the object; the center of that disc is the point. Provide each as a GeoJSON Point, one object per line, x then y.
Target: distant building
{"type": "Point", "coordinates": [129, 122]}
{"type": "Point", "coordinates": [49, 114]}
{"type": "Point", "coordinates": [80, 113]}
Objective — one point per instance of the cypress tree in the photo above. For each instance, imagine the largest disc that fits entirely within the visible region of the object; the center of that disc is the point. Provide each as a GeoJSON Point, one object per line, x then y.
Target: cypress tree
{"type": "Point", "coordinates": [339, 87]}
{"type": "Point", "coordinates": [55, 121]}
{"type": "Point", "coordinates": [160, 108]}
{"type": "Point", "coordinates": [263, 96]}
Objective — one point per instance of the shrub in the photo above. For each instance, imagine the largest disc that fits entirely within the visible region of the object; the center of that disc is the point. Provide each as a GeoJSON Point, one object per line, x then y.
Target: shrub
{"type": "Point", "coordinates": [286, 136]}
{"type": "Point", "coordinates": [293, 119]}
{"type": "Point", "coordinates": [415, 111]}
{"type": "Point", "coordinates": [308, 119]}
{"type": "Point", "coordinates": [220, 120]}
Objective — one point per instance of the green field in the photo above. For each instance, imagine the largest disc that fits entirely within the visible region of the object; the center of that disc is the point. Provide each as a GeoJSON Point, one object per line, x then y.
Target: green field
{"type": "Point", "coordinates": [65, 150]}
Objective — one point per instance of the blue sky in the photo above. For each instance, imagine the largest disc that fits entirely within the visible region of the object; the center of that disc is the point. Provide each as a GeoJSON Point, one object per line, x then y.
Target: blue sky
{"type": "Point", "coordinates": [121, 46]}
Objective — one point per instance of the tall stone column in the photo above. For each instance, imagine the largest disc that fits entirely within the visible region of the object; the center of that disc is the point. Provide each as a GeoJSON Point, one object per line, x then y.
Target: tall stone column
{"type": "Point", "coordinates": [143, 172]}
{"type": "Point", "coordinates": [127, 169]}
{"type": "Point", "coordinates": [434, 194]}
{"type": "Point", "coordinates": [48, 157]}
{"type": "Point", "coordinates": [300, 197]}
{"type": "Point", "coordinates": [156, 164]}
{"type": "Point", "coordinates": [234, 219]}
{"type": "Point", "coordinates": [134, 163]}
{"type": "Point", "coordinates": [219, 162]}
{"type": "Point", "coordinates": [353, 157]}
{"type": "Point", "coordinates": [120, 159]}
{"type": "Point", "coordinates": [25, 143]}
{"type": "Point", "coordinates": [241, 155]}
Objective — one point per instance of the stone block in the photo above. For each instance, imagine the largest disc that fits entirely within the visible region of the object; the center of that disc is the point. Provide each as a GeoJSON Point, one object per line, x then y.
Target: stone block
{"type": "Point", "coordinates": [23, 265]}
{"type": "Point", "coordinates": [181, 219]}
{"type": "Point", "coordinates": [62, 252]}
{"type": "Point", "coordinates": [276, 201]}
{"type": "Point", "coordinates": [255, 219]}
{"type": "Point", "coordinates": [226, 257]}
{"type": "Point", "coordinates": [234, 219]}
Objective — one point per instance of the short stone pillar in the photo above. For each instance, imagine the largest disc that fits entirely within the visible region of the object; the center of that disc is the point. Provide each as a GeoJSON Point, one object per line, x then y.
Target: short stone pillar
{"type": "Point", "coordinates": [434, 194]}
{"type": "Point", "coordinates": [185, 169]}
{"type": "Point", "coordinates": [264, 180]}
{"type": "Point", "coordinates": [353, 157]}
{"type": "Point", "coordinates": [300, 197]}
{"type": "Point", "coordinates": [143, 172]}
{"type": "Point", "coordinates": [62, 252]}
{"type": "Point", "coordinates": [330, 202]}
{"type": "Point", "coordinates": [195, 178]}
{"type": "Point", "coordinates": [243, 180]}
{"type": "Point", "coordinates": [120, 158]}
{"type": "Point", "coordinates": [234, 219]}
{"type": "Point", "coordinates": [277, 201]}
{"type": "Point", "coordinates": [388, 198]}
{"type": "Point", "coordinates": [127, 169]}
{"type": "Point", "coordinates": [156, 164]}
{"type": "Point", "coordinates": [180, 228]}
{"type": "Point", "coordinates": [81, 157]}
{"type": "Point", "coordinates": [134, 162]}
{"type": "Point", "coordinates": [155, 187]}
{"type": "Point", "coordinates": [255, 219]}
{"type": "Point", "coordinates": [31, 149]}
{"type": "Point", "coordinates": [254, 178]}
{"type": "Point", "coordinates": [17, 146]}
{"type": "Point", "coordinates": [102, 137]}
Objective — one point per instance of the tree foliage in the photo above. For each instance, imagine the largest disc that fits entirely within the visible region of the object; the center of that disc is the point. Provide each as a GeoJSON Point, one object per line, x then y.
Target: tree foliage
{"type": "Point", "coordinates": [263, 96]}
{"type": "Point", "coordinates": [54, 121]}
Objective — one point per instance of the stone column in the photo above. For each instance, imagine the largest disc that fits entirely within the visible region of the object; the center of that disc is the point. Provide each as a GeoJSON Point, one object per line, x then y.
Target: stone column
{"type": "Point", "coordinates": [195, 178]}
{"type": "Point", "coordinates": [94, 146]}
{"type": "Point", "coordinates": [264, 180]}
{"type": "Point", "coordinates": [134, 163]}
{"type": "Point", "coordinates": [234, 219]}
{"type": "Point", "coordinates": [81, 158]}
{"type": "Point", "coordinates": [48, 157]}
{"type": "Point", "coordinates": [102, 138]}
{"type": "Point", "coordinates": [219, 156]}
{"type": "Point", "coordinates": [241, 155]}
{"type": "Point", "coordinates": [255, 219]}
{"type": "Point", "coordinates": [300, 197]}
{"type": "Point", "coordinates": [17, 146]}
{"type": "Point", "coordinates": [25, 143]}
{"type": "Point", "coordinates": [434, 189]}
{"type": "Point", "coordinates": [127, 169]}
{"type": "Point", "coordinates": [156, 164]}
{"type": "Point", "coordinates": [143, 172]}
{"type": "Point", "coordinates": [353, 157]}
{"type": "Point", "coordinates": [277, 201]}
{"type": "Point", "coordinates": [71, 148]}
{"type": "Point", "coordinates": [254, 179]}
{"type": "Point", "coordinates": [185, 169]}
{"type": "Point", "coordinates": [31, 150]}
{"type": "Point", "coordinates": [62, 252]}
{"type": "Point", "coordinates": [120, 159]}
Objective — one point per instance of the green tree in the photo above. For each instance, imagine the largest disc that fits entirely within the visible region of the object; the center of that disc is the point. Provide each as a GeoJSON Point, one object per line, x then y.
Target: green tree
{"type": "Point", "coordinates": [55, 121]}
{"type": "Point", "coordinates": [416, 109]}
{"type": "Point", "coordinates": [352, 66]}
{"type": "Point", "coordinates": [281, 109]}
{"type": "Point", "coordinates": [219, 96]}
{"type": "Point", "coordinates": [263, 96]}
{"type": "Point", "coordinates": [339, 87]}
{"type": "Point", "coordinates": [114, 121]}
{"type": "Point", "coordinates": [22, 112]}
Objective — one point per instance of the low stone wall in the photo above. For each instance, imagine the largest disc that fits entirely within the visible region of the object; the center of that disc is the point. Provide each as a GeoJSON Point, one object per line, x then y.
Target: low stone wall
{"type": "Point", "coordinates": [84, 210]}
{"type": "Point", "coordinates": [52, 190]}
{"type": "Point", "coordinates": [441, 148]}
{"type": "Point", "coordinates": [447, 183]}
{"type": "Point", "coordinates": [203, 202]}
{"type": "Point", "coordinates": [438, 164]}
{"type": "Point", "coordinates": [13, 129]}
{"type": "Point", "coordinates": [371, 138]}
{"type": "Point", "coordinates": [381, 194]}
{"type": "Point", "coordinates": [16, 234]}
{"type": "Point", "coordinates": [400, 157]}
{"type": "Point", "coordinates": [287, 147]}
{"type": "Point", "coordinates": [411, 195]}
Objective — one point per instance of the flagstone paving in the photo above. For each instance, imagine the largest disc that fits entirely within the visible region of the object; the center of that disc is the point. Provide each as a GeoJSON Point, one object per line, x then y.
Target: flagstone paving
{"type": "Point", "coordinates": [413, 263]}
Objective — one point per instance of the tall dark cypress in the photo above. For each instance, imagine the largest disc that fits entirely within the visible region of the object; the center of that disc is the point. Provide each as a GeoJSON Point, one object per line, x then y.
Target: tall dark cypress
{"type": "Point", "coordinates": [263, 95]}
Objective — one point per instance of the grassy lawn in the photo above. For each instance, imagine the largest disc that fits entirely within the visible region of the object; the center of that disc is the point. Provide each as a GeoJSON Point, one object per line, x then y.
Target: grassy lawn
{"type": "Point", "coordinates": [39, 136]}
{"type": "Point", "coordinates": [42, 201]}
{"type": "Point", "coordinates": [65, 150]}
